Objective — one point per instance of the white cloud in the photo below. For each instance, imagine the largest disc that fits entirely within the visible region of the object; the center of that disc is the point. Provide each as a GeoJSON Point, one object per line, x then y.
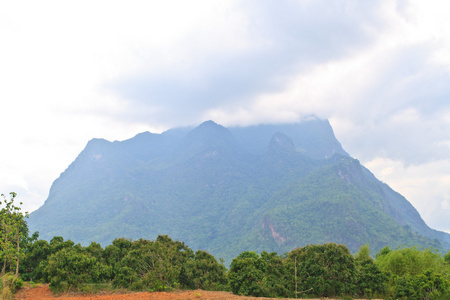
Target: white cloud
{"type": "Point", "coordinates": [379, 70]}
{"type": "Point", "coordinates": [445, 204]}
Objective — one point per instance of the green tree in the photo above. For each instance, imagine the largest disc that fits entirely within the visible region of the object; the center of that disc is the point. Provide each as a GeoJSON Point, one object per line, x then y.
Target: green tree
{"type": "Point", "coordinates": [245, 274]}
{"type": "Point", "coordinates": [326, 270]}
{"type": "Point", "coordinates": [36, 252]}
{"type": "Point", "coordinates": [204, 272]}
{"type": "Point", "coordinates": [428, 285]}
{"type": "Point", "coordinates": [273, 281]}
{"type": "Point", "coordinates": [415, 273]}
{"type": "Point", "coordinates": [262, 275]}
{"type": "Point", "coordinates": [115, 252]}
{"type": "Point", "coordinates": [13, 234]}
{"type": "Point", "coordinates": [152, 265]}
{"type": "Point", "coordinates": [70, 267]}
{"type": "Point", "coordinates": [409, 261]}
{"type": "Point", "coordinates": [370, 280]}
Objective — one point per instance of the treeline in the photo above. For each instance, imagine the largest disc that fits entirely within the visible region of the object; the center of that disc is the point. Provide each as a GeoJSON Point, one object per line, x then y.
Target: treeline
{"type": "Point", "coordinates": [157, 265]}
{"type": "Point", "coordinates": [328, 270]}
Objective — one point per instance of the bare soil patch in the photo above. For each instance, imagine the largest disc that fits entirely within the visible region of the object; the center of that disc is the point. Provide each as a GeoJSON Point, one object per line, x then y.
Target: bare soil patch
{"type": "Point", "coordinates": [42, 292]}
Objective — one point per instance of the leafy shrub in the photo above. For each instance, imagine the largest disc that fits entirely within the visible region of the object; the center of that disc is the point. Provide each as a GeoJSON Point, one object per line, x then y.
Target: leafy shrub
{"type": "Point", "coordinates": [260, 276]}
{"type": "Point", "coordinates": [151, 265]}
{"type": "Point", "coordinates": [370, 280]}
{"type": "Point", "coordinates": [6, 293]}
{"type": "Point", "coordinates": [204, 272]}
{"type": "Point", "coordinates": [428, 285]}
{"type": "Point", "coordinates": [245, 274]}
{"type": "Point", "coordinates": [409, 261]}
{"type": "Point", "coordinates": [9, 284]}
{"type": "Point", "coordinates": [12, 281]}
{"type": "Point", "coordinates": [69, 268]}
{"type": "Point", "coordinates": [322, 270]}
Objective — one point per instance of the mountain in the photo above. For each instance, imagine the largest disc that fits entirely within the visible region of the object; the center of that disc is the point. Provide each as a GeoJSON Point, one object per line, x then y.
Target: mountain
{"type": "Point", "coordinates": [266, 187]}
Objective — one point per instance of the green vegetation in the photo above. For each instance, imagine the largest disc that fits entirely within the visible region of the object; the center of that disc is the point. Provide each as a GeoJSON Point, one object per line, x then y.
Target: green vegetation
{"type": "Point", "coordinates": [13, 239]}
{"type": "Point", "coordinates": [415, 274]}
{"type": "Point", "coordinates": [13, 234]}
{"type": "Point", "coordinates": [327, 270]}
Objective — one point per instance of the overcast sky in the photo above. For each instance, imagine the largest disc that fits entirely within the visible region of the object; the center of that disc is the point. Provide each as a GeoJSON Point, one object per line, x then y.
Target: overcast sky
{"type": "Point", "coordinates": [379, 71]}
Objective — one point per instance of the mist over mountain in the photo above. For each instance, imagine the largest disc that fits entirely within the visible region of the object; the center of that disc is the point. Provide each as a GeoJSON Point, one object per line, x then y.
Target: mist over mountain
{"type": "Point", "coordinates": [227, 190]}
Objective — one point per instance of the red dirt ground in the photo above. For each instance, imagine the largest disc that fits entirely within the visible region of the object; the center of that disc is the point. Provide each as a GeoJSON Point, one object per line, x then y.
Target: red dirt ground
{"type": "Point", "coordinates": [42, 292]}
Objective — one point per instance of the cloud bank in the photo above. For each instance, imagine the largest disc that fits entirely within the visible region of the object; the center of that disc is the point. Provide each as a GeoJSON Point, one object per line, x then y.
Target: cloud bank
{"type": "Point", "coordinates": [378, 70]}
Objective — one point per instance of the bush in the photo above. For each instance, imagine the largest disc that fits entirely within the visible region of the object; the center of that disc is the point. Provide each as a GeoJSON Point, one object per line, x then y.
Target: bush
{"type": "Point", "coordinates": [245, 275]}
{"type": "Point", "coordinates": [12, 281]}
{"type": "Point", "coordinates": [6, 293]}
{"type": "Point", "coordinates": [9, 284]}
{"type": "Point", "coordinates": [428, 285]}
{"type": "Point", "coordinates": [151, 265]}
{"type": "Point", "coordinates": [322, 270]}
{"type": "Point", "coordinates": [203, 272]}
{"type": "Point", "coordinates": [260, 276]}
{"type": "Point", "coordinates": [70, 268]}
{"type": "Point", "coordinates": [370, 280]}
{"type": "Point", "coordinates": [409, 261]}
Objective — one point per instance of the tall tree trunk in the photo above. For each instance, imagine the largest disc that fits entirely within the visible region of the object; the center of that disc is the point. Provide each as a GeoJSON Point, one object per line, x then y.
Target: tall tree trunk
{"type": "Point", "coordinates": [6, 240]}
{"type": "Point", "coordinates": [18, 253]}
{"type": "Point", "coordinates": [4, 268]}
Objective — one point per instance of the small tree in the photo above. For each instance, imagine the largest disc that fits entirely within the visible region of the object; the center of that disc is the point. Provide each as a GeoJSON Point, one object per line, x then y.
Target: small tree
{"type": "Point", "coordinates": [71, 267]}
{"type": "Point", "coordinates": [321, 270]}
{"type": "Point", "coordinates": [150, 265]}
{"type": "Point", "coordinates": [370, 280]}
{"type": "Point", "coordinates": [13, 230]}
{"type": "Point", "coordinates": [245, 274]}
{"type": "Point", "coordinates": [409, 261]}
{"type": "Point", "coordinates": [253, 275]}
{"type": "Point", "coordinates": [203, 271]}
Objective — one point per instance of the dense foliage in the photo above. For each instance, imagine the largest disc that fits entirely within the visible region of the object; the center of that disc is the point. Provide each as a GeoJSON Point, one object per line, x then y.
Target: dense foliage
{"type": "Point", "coordinates": [327, 270]}
{"type": "Point", "coordinates": [137, 265]}
{"type": "Point", "coordinates": [415, 273]}
{"type": "Point", "coordinates": [252, 274]}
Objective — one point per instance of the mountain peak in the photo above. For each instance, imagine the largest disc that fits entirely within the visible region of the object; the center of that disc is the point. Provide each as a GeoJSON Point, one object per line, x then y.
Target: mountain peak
{"type": "Point", "coordinates": [209, 130]}
{"type": "Point", "coordinates": [206, 136]}
{"type": "Point", "coordinates": [209, 123]}
{"type": "Point", "coordinates": [280, 141]}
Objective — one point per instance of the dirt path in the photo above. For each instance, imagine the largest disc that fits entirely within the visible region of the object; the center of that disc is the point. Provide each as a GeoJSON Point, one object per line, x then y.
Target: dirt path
{"type": "Point", "coordinates": [42, 292]}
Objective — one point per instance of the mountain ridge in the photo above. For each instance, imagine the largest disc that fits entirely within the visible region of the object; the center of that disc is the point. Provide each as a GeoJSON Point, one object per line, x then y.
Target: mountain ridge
{"type": "Point", "coordinates": [226, 190]}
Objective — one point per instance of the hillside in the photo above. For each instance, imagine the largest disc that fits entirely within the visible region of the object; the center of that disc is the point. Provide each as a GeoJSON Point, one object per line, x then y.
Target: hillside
{"type": "Point", "coordinates": [267, 187]}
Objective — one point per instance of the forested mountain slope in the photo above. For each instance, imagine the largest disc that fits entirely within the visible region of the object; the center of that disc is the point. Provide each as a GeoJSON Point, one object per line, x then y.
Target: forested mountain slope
{"type": "Point", "coordinates": [267, 187]}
